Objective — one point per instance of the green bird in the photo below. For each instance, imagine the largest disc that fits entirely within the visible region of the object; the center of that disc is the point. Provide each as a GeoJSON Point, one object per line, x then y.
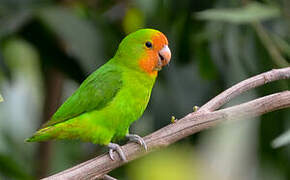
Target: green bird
{"type": "Point", "coordinates": [102, 109]}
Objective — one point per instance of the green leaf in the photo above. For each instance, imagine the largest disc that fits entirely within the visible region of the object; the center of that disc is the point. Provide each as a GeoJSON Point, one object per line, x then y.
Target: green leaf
{"type": "Point", "coordinates": [282, 140]}
{"type": "Point", "coordinates": [79, 37]}
{"type": "Point", "coordinates": [282, 44]}
{"type": "Point", "coordinates": [10, 168]}
{"type": "Point", "coordinates": [1, 98]}
{"type": "Point", "coordinates": [250, 13]}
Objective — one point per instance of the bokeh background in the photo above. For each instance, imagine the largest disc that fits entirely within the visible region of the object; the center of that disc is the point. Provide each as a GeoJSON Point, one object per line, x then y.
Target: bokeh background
{"type": "Point", "coordinates": [48, 47]}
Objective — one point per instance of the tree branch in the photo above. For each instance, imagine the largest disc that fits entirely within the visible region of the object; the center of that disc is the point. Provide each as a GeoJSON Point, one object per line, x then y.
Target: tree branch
{"type": "Point", "coordinates": [204, 118]}
{"type": "Point", "coordinates": [251, 83]}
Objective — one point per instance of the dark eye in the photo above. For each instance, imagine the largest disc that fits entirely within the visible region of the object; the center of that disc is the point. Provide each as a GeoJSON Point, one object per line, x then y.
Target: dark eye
{"type": "Point", "coordinates": [148, 44]}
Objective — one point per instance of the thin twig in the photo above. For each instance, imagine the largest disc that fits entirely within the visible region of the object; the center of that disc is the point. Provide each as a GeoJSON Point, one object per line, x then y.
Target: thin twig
{"type": "Point", "coordinates": [190, 124]}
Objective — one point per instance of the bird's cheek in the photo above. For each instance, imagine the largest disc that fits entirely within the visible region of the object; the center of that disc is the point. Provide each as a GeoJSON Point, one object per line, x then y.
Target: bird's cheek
{"type": "Point", "coordinates": [149, 63]}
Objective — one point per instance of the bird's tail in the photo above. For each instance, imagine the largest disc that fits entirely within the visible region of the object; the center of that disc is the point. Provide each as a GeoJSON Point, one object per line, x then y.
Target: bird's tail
{"type": "Point", "coordinates": [43, 134]}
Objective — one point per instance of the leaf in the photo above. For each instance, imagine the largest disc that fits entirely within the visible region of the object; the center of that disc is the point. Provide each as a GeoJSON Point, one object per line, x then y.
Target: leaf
{"type": "Point", "coordinates": [10, 168]}
{"type": "Point", "coordinates": [282, 44]}
{"type": "Point", "coordinates": [282, 140]}
{"type": "Point", "coordinates": [78, 36]}
{"type": "Point", "coordinates": [250, 13]}
{"type": "Point", "coordinates": [1, 98]}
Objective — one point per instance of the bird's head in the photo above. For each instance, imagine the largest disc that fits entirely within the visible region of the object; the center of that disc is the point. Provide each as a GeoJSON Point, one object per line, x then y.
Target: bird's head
{"type": "Point", "coordinates": [144, 50]}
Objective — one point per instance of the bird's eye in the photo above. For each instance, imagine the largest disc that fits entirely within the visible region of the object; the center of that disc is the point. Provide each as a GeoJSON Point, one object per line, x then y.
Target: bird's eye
{"type": "Point", "coordinates": [148, 44]}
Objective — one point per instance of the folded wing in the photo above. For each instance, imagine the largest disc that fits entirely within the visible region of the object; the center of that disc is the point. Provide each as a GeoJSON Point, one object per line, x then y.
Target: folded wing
{"type": "Point", "coordinates": [94, 93]}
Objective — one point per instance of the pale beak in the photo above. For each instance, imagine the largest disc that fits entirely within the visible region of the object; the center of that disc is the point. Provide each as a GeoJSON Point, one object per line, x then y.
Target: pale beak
{"type": "Point", "coordinates": [164, 56]}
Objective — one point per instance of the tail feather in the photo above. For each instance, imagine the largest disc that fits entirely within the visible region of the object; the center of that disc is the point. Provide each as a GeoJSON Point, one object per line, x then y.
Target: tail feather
{"type": "Point", "coordinates": [41, 135]}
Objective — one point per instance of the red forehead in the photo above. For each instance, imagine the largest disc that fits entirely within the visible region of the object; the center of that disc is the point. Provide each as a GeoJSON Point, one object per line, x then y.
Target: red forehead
{"type": "Point", "coordinates": [159, 40]}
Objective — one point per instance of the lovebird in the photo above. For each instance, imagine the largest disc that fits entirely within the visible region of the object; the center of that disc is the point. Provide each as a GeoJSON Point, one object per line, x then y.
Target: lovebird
{"type": "Point", "coordinates": [109, 100]}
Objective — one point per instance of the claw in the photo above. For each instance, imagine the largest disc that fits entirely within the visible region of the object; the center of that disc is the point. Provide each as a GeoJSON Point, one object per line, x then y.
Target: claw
{"type": "Point", "coordinates": [111, 154]}
{"type": "Point", "coordinates": [136, 138]}
{"type": "Point", "coordinates": [107, 177]}
{"type": "Point", "coordinates": [115, 147]}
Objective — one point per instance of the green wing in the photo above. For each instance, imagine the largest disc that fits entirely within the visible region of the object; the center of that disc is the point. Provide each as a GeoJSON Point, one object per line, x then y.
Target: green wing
{"type": "Point", "coordinates": [94, 93]}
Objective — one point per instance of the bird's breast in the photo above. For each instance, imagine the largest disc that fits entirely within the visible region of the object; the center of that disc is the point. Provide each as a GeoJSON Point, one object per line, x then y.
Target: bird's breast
{"type": "Point", "coordinates": [134, 96]}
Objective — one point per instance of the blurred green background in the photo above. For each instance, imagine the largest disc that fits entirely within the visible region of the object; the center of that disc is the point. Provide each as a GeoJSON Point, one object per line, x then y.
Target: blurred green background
{"type": "Point", "coordinates": [47, 47]}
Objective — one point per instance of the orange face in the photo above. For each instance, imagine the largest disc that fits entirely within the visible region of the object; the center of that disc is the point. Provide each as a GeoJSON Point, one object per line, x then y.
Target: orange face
{"type": "Point", "coordinates": [157, 54]}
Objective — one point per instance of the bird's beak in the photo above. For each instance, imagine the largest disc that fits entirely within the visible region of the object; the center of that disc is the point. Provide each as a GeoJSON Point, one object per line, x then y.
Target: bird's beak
{"type": "Point", "coordinates": [164, 56]}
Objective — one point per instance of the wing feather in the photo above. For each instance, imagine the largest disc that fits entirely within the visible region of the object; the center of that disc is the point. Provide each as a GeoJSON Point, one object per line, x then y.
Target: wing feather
{"type": "Point", "coordinates": [94, 93]}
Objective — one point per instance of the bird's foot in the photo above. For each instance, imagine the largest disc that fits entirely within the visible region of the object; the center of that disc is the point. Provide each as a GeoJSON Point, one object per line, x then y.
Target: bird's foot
{"type": "Point", "coordinates": [136, 138]}
{"type": "Point", "coordinates": [117, 148]}
{"type": "Point", "coordinates": [107, 177]}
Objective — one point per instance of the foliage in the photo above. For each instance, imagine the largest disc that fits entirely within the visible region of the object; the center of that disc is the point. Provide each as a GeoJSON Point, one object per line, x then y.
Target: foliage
{"type": "Point", "coordinates": [250, 13]}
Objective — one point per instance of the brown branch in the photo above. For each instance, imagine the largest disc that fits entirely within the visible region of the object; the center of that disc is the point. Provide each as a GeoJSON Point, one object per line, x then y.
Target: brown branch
{"type": "Point", "coordinates": [190, 124]}
{"type": "Point", "coordinates": [251, 83]}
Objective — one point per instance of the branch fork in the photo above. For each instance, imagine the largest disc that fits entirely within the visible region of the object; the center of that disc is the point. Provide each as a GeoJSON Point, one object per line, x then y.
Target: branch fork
{"type": "Point", "coordinates": [205, 117]}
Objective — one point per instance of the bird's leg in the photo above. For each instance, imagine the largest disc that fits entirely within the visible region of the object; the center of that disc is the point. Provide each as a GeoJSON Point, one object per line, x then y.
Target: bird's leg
{"type": "Point", "coordinates": [136, 138]}
{"type": "Point", "coordinates": [117, 148]}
